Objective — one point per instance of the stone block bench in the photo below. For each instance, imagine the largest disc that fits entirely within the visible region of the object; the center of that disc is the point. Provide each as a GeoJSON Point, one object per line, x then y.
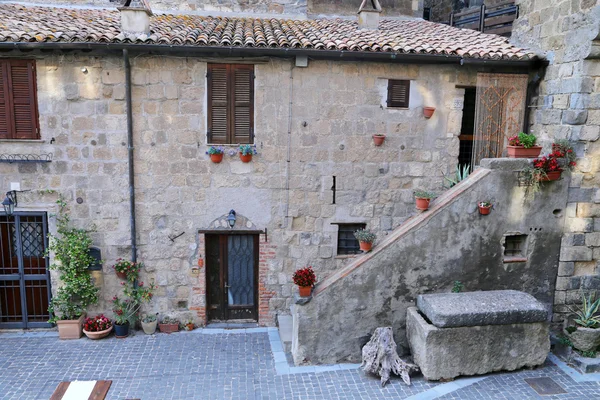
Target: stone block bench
{"type": "Point", "coordinates": [454, 334]}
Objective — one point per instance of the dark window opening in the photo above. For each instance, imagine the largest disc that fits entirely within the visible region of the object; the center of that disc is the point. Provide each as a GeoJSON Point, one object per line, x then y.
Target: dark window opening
{"type": "Point", "coordinates": [347, 243]}
{"type": "Point", "coordinates": [467, 129]}
{"type": "Point", "coordinates": [514, 246]}
{"type": "Point", "coordinates": [333, 189]}
{"type": "Point", "coordinates": [398, 93]}
{"type": "Point", "coordinates": [427, 13]}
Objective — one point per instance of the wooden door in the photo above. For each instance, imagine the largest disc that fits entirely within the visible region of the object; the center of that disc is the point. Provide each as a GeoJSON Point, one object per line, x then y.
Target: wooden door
{"type": "Point", "coordinates": [24, 276]}
{"type": "Point", "coordinates": [232, 277]}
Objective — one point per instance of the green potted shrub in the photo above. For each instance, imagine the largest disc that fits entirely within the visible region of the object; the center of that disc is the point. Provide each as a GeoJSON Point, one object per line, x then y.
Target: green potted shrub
{"type": "Point", "coordinates": [305, 278]}
{"type": "Point", "coordinates": [149, 323]}
{"type": "Point", "coordinates": [365, 239]}
{"type": "Point", "coordinates": [76, 292]}
{"type": "Point", "coordinates": [585, 331]}
{"type": "Point", "coordinates": [523, 146]}
{"type": "Point", "coordinates": [423, 198]}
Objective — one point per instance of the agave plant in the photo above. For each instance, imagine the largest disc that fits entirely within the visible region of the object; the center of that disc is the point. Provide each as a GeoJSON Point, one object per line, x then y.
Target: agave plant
{"type": "Point", "coordinates": [461, 174]}
{"type": "Point", "coordinates": [587, 315]}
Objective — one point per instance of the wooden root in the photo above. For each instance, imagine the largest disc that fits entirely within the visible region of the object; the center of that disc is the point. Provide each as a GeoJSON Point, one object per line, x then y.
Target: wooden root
{"type": "Point", "coordinates": [379, 357]}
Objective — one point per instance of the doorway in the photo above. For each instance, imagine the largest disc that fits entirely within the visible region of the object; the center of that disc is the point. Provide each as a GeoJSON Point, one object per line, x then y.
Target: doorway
{"type": "Point", "coordinates": [467, 128]}
{"type": "Point", "coordinates": [232, 277]}
{"type": "Point", "coordinates": [24, 276]}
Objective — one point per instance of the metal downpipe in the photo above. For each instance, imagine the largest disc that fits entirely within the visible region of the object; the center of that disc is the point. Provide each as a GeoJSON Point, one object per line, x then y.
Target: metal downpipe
{"type": "Point", "coordinates": [130, 154]}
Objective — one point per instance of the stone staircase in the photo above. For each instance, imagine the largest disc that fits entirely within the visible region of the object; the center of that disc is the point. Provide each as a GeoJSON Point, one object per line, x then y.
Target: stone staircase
{"type": "Point", "coordinates": [284, 323]}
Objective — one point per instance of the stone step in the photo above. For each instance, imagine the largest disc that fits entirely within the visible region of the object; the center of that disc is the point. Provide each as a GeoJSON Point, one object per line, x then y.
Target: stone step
{"type": "Point", "coordinates": [284, 322]}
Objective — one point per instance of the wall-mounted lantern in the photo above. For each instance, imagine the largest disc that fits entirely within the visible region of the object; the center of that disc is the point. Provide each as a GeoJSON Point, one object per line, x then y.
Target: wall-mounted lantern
{"type": "Point", "coordinates": [10, 202]}
{"type": "Point", "coordinates": [231, 218]}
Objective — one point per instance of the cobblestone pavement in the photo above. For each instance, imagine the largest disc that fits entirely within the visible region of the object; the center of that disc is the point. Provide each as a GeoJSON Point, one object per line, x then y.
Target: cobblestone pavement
{"type": "Point", "coordinates": [196, 365]}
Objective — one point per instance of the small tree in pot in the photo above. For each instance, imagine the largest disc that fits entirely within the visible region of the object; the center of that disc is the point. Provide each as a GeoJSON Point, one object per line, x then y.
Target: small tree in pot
{"type": "Point", "coordinates": [71, 259]}
{"type": "Point", "coordinates": [365, 239]}
{"type": "Point", "coordinates": [585, 334]}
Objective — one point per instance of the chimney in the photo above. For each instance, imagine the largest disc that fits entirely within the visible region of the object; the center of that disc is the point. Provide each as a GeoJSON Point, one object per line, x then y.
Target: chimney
{"type": "Point", "coordinates": [135, 17]}
{"type": "Point", "coordinates": [369, 18]}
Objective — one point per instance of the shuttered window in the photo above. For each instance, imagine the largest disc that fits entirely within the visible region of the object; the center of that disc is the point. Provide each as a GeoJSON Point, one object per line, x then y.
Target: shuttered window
{"type": "Point", "coordinates": [18, 100]}
{"type": "Point", "coordinates": [398, 93]}
{"type": "Point", "coordinates": [230, 103]}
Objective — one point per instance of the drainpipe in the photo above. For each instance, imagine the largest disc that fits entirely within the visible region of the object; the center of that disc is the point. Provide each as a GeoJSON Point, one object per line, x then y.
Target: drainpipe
{"type": "Point", "coordinates": [130, 154]}
{"type": "Point", "coordinates": [289, 151]}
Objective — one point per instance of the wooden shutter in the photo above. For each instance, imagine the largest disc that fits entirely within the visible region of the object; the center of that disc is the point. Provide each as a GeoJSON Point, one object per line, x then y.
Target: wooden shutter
{"type": "Point", "coordinates": [243, 103]}
{"type": "Point", "coordinates": [230, 103]}
{"type": "Point", "coordinates": [398, 93]}
{"type": "Point", "coordinates": [19, 118]}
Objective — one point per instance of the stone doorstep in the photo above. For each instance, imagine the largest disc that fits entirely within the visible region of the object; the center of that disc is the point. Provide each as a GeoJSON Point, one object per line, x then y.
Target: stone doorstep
{"type": "Point", "coordinates": [284, 322]}
{"type": "Point", "coordinates": [493, 307]}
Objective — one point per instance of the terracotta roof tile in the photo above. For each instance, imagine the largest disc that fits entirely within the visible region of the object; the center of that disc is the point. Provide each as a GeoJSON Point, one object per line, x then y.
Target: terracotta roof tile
{"type": "Point", "coordinates": [20, 23]}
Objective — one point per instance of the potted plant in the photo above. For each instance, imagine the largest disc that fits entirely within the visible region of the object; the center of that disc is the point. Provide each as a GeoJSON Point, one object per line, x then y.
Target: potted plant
{"type": "Point", "coordinates": [484, 207]}
{"type": "Point", "coordinates": [126, 310]}
{"type": "Point", "coordinates": [77, 291]}
{"type": "Point", "coordinates": [523, 146]}
{"type": "Point", "coordinates": [305, 278]}
{"type": "Point", "coordinates": [97, 327]}
{"type": "Point", "coordinates": [246, 152]}
{"type": "Point", "coordinates": [585, 334]}
{"type": "Point", "coordinates": [149, 323]}
{"type": "Point", "coordinates": [125, 268]}
{"type": "Point", "coordinates": [423, 198]}
{"type": "Point", "coordinates": [378, 139]}
{"type": "Point", "coordinates": [215, 153]}
{"type": "Point", "coordinates": [124, 313]}
{"type": "Point", "coordinates": [189, 325]}
{"type": "Point", "coordinates": [365, 239]}
{"type": "Point", "coordinates": [168, 325]}
{"type": "Point", "coordinates": [428, 112]}
{"type": "Point", "coordinates": [562, 150]}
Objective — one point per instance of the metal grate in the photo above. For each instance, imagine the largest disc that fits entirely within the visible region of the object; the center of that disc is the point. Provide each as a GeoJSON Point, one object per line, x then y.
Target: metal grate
{"type": "Point", "coordinates": [514, 246]}
{"type": "Point", "coordinates": [347, 243]}
{"type": "Point", "coordinates": [240, 269]}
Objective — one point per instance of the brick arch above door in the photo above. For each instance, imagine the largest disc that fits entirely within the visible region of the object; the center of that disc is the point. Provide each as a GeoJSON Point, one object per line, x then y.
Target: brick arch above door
{"type": "Point", "coordinates": [221, 225]}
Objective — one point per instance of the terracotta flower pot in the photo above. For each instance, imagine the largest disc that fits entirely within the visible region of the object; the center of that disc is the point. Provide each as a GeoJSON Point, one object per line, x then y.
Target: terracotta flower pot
{"type": "Point", "coordinates": [364, 246]}
{"type": "Point", "coordinates": [190, 327]}
{"type": "Point", "coordinates": [304, 291]}
{"type": "Point", "coordinates": [246, 158]}
{"type": "Point", "coordinates": [98, 335]}
{"type": "Point", "coordinates": [121, 275]}
{"type": "Point", "coordinates": [378, 139]}
{"type": "Point", "coordinates": [216, 158]}
{"type": "Point", "coordinates": [168, 328]}
{"type": "Point", "coordinates": [422, 204]}
{"type": "Point", "coordinates": [149, 327]}
{"type": "Point", "coordinates": [522, 152]}
{"type": "Point", "coordinates": [551, 176]}
{"type": "Point", "coordinates": [584, 339]}
{"type": "Point", "coordinates": [70, 328]}
{"type": "Point", "coordinates": [428, 112]}
{"type": "Point", "coordinates": [484, 210]}
{"type": "Point", "coordinates": [121, 331]}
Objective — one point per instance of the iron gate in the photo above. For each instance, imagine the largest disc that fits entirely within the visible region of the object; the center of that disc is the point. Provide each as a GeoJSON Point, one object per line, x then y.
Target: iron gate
{"type": "Point", "coordinates": [24, 276]}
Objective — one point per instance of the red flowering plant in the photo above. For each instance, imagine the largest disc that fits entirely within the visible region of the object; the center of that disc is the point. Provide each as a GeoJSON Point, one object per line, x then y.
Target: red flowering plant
{"type": "Point", "coordinates": [305, 277]}
{"type": "Point", "coordinates": [129, 268]}
{"type": "Point", "coordinates": [135, 295]}
{"type": "Point", "coordinates": [562, 149]}
{"type": "Point", "coordinates": [97, 323]}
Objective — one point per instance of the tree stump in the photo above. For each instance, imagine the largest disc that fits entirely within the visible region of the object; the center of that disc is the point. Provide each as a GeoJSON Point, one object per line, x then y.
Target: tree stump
{"type": "Point", "coordinates": [379, 357]}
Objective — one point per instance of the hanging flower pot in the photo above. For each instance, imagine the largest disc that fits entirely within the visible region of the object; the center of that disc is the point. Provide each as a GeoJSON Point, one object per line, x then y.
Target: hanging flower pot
{"type": "Point", "coordinates": [246, 152]}
{"type": "Point", "coordinates": [484, 207]}
{"type": "Point", "coordinates": [215, 153]}
{"type": "Point", "coordinates": [121, 275]}
{"type": "Point", "coordinates": [216, 158]}
{"type": "Point", "coordinates": [428, 112]}
{"type": "Point", "coordinates": [551, 176]}
{"type": "Point", "coordinates": [121, 331]}
{"type": "Point", "coordinates": [304, 291]}
{"type": "Point", "coordinates": [378, 139]}
{"type": "Point", "coordinates": [246, 157]}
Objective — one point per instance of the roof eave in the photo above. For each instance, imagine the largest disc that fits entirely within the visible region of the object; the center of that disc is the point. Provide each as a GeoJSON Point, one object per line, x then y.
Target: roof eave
{"type": "Point", "coordinates": [232, 51]}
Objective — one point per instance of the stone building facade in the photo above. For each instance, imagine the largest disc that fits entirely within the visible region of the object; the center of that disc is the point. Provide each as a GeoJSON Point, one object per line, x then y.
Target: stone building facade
{"type": "Point", "coordinates": [568, 107]}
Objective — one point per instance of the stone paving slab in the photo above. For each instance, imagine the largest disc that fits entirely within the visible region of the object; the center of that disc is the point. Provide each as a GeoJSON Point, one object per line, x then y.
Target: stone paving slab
{"type": "Point", "coordinates": [228, 365]}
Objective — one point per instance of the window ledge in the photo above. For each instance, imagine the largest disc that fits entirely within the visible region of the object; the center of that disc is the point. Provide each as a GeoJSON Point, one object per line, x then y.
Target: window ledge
{"type": "Point", "coordinates": [22, 141]}
{"type": "Point", "coordinates": [509, 260]}
{"type": "Point", "coordinates": [344, 256]}
{"type": "Point", "coordinates": [228, 145]}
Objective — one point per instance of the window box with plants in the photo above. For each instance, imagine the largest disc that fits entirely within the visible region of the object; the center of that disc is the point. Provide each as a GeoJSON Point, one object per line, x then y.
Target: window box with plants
{"type": "Point", "coordinates": [550, 167]}
{"type": "Point", "coordinates": [168, 325]}
{"type": "Point", "coordinates": [215, 153]}
{"type": "Point", "coordinates": [423, 198]}
{"type": "Point", "coordinates": [584, 332]}
{"type": "Point", "coordinates": [97, 327]}
{"type": "Point", "coordinates": [246, 152]}
{"type": "Point", "coordinates": [77, 291]}
{"type": "Point", "coordinates": [523, 146]}
{"type": "Point", "coordinates": [365, 239]}
{"type": "Point", "coordinates": [305, 278]}
{"type": "Point", "coordinates": [149, 322]}
{"type": "Point", "coordinates": [126, 310]}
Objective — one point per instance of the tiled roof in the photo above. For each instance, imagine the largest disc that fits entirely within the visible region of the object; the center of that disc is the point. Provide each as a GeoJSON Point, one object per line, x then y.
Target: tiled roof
{"type": "Point", "coordinates": [48, 24]}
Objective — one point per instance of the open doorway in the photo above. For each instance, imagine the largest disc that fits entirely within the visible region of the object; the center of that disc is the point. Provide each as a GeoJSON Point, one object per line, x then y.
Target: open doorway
{"type": "Point", "coordinates": [467, 129]}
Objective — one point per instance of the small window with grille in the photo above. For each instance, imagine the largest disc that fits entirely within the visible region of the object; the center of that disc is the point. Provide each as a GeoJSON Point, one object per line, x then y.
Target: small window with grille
{"type": "Point", "coordinates": [398, 93]}
{"type": "Point", "coordinates": [347, 243]}
{"type": "Point", "coordinates": [515, 246]}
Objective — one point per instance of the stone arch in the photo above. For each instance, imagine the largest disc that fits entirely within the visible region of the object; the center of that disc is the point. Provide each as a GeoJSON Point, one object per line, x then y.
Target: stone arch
{"type": "Point", "coordinates": [242, 223]}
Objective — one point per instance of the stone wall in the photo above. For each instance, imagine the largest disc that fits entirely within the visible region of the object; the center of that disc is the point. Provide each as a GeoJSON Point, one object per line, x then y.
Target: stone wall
{"type": "Point", "coordinates": [178, 190]}
{"type": "Point", "coordinates": [450, 242]}
{"type": "Point", "coordinates": [350, 7]}
{"type": "Point", "coordinates": [568, 107]}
